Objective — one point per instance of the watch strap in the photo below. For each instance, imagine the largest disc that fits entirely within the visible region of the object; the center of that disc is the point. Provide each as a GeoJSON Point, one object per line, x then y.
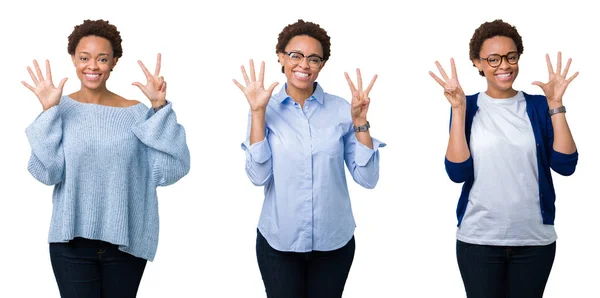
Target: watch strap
{"type": "Point", "coordinates": [557, 110]}
{"type": "Point", "coordinates": [362, 127]}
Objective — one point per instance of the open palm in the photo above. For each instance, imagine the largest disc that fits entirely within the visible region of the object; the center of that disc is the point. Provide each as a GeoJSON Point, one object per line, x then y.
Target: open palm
{"type": "Point", "coordinates": [557, 81]}
{"type": "Point", "coordinates": [255, 92]}
{"type": "Point", "coordinates": [44, 89]}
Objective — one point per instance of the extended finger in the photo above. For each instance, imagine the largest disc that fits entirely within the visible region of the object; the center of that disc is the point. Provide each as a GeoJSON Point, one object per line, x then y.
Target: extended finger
{"type": "Point", "coordinates": [48, 72]}
{"type": "Point", "coordinates": [158, 62]}
{"type": "Point", "coordinates": [442, 83]}
{"type": "Point", "coordinates": [371, 85]}
{"type": "Point", "coordinates": [239, 85]}
{"type": "Point", "coordinates": [566, 71]}
{"type": "Point", "coordinates": [62, 84]}
{"type": "Point", "coordinates": [550, 68]}
{"type": "Point", "coordinates": [28, 86]}
{"type": "Point", "coordinates": [252, 73]}
{"type": "Point", "coordinates": [359, 79]}
{"type": "Point", "coordinates": [559, 63]}
{"type": "Point", "coordinates": [144, 69]}
{"type": "Point", "coordinates": [245, 76]}
{"type": "Point", "coordinates": [352, 88]}
{"type": "Point", "coordinates": [453, 69]}
{"type": "Point", "coordinates": [35, 80]}
{"type": "Point", "coordinates": [38, 71]}
{"type": "Point", "coordinates": [139, 85]}
{"type": "Point", "coordinates": [272, 87]}
{"type": "Point", "coordinates": [573, 77]}
{"type": "Point", "coordinates": [261, 75]}
{"type": "Point", "coordinates": [441, 70]}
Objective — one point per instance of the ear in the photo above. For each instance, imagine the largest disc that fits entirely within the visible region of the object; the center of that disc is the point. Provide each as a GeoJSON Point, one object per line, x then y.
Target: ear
{"type": "Point", "coordinates": [114, 63]}
{"type": "Point", "coordinates": [477, 64]}
{"type": "Point", "coordinates": [73, 59]}
{"type": "Point", "coordinates": [323, 65]}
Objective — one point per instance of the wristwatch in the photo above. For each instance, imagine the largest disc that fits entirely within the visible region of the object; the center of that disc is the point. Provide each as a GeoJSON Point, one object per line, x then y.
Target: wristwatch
{"type": "Point", "coordinates": [362, 127]}
{"type": "Point", "coordinates": [557, 110]}
{"type": "Point", "coordinates": [161, 106]}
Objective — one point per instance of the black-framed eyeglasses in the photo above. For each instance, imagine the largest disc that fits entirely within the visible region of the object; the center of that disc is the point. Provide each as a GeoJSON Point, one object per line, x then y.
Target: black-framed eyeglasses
{"type": "Point", "coordinates": [494, 60]}
{"type": "Point", "coordinates": [314, 61]}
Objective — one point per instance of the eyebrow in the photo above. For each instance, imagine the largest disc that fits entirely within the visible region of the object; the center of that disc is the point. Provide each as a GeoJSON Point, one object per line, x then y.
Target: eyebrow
{"type": "Point", "coordinates": [101, 54]}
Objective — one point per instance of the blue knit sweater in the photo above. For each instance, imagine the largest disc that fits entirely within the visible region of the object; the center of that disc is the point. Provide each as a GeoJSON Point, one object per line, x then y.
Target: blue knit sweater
{"type": "Point", "coordinates": [105, 164]}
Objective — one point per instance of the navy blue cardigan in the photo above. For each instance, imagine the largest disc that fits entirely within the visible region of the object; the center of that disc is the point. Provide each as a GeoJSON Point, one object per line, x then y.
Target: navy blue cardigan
{"type": "Point", "coordinates": [547, 157]}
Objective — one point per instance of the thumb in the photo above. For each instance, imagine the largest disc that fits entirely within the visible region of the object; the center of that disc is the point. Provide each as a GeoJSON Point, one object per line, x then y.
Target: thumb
{"type": "Point", "coordinates": [272, 87]}
{"type": "Point", "coordinates": [538, 83]}
{"type": "Point", "coordinates": [62, 84]}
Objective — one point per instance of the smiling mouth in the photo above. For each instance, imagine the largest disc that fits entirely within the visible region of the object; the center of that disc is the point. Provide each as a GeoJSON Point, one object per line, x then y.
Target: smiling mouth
{"type": "Point", "coordinates": [301, 75]}
{"type": "Point", "coordinates": [92, 76]}
{"type": "Point", "coordinates": [504, 76]}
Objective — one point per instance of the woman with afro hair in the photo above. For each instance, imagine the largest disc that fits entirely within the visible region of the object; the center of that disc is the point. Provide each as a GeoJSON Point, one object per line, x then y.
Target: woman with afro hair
{"type": "Point", "coordinates": [503, 143]}
{"type": "Point", "coordinates": [297, 142]}
{"type": "Point", "coordinates": [105, 156]}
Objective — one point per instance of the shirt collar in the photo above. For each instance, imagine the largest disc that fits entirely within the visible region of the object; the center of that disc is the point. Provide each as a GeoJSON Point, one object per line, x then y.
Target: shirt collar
{"type": "Point", "coordinates": [318, 94]}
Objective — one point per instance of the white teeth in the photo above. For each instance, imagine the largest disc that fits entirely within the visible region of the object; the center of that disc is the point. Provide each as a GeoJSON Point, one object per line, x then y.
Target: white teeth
{"type": "Point", "coordinates": [301, 74]}
{"type": "Point", "coordinates": [90, 75]}
{"type": "Point", "coordinates": [503, 76]}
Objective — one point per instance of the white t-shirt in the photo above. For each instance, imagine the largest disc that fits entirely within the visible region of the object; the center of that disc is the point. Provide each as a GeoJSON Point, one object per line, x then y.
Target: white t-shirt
{"type": "Point", "coordinates": [504, 206]}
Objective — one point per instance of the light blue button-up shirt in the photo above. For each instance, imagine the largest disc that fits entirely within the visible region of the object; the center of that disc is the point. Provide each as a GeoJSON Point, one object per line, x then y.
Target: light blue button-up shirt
{"type": "Point", "coordinates": [301, 165]}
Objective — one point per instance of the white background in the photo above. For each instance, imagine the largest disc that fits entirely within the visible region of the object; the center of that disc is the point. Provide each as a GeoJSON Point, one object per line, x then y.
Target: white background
{"type": "Point", "coordinates": [405, 227]}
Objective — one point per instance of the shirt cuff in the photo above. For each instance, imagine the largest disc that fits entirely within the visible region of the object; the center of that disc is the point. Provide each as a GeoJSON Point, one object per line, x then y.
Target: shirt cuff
{"type": "Point", "coordinates": [363, 154]}
{"type": "Point", "coordinates": [260, 152]}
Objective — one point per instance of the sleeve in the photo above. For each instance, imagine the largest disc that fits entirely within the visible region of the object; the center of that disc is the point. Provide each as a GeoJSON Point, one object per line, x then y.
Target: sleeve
{"type": "Point", "coordinates": [563, 164]}
{"type": "Point", "coordinates": [166, 141]}
{"type": "Point", "coordinates": [259, 165]}
{"type": "Point", "coordinates": [459, 172]}
{"type": "Point", "coordinates": [47, 161]}
{"type": "Point", "coordinates": [362, 161]}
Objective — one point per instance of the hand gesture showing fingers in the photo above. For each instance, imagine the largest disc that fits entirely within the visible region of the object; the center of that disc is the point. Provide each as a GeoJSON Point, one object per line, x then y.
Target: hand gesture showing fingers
{"type": "Point", "coordinates": [557, 82]}
{"type": "Point", "coordinates": [44, 89]}
{"type": "Point", "coordinates": [360, 98]}
{"type": "Point", "coordinates": [156, 86]}
{"type": "Point", "coordinates": [255, 92]}
{"type": "Point", "coordinates": [452, 90]}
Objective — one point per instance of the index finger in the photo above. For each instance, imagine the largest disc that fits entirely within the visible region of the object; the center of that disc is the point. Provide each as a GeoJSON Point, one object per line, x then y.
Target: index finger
{"type": "Point", "coordinates": [158, 62]}
{"type": "Point", "coordinates": [144, 69]}
{"type": "Point", "coordinates": [48, 72]}
{"type": "Point", "coordinates": [352, 88]}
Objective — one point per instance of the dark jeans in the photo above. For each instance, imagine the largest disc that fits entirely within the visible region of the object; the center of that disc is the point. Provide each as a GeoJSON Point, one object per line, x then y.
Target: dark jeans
{"type": "Point", "coordinates": [95, 269]}
{"type": "Point", "coordinates": [315, 274]}
{"type": "Point", "coordinates": [504, 271]}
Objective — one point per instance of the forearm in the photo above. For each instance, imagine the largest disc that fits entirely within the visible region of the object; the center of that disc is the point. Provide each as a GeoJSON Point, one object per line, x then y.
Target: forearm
{"type": "Point", "coordinates": [364, 137]}
{"type": "Point", "coordinates": [457, 150]}
{"type": "Point", "coordinates": [257, 126]}
{"type": "Point", "coordinates": [563, 139]}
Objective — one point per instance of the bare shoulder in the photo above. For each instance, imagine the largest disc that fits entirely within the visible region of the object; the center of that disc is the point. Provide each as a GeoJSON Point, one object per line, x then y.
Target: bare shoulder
{"type": "Point", "coordinates": [120, 101]}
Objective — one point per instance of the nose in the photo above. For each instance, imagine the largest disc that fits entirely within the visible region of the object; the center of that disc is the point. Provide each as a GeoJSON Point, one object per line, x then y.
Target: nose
{"type": "Point", "coordinates": [93, 64]}
{"type": "Point", "coordinates": [504, 62]}
{"type": "Point", "coordinates": [304, 63]}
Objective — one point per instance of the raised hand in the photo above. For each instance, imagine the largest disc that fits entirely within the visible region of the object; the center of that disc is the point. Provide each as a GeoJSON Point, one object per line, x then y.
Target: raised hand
{"type": "Point", "coordinates": [360, 98]}
{"type": "Point", "coordinates": [156, 86]}
{"type": "Point", "coordinates": [557, 82]}
{"type": "Point", "coordinates": [452, 90]}
{"type": "Point", "coordinates": [44, 89]}
{"type": "Point", "coordinates": [255, 92]}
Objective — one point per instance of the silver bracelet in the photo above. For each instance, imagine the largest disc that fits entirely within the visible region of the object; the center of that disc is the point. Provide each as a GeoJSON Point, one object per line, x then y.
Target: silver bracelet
{"type": "Point", "coordinates": [557, 110]}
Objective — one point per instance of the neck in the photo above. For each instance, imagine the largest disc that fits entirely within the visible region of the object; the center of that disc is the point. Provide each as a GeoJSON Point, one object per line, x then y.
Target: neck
{"type": "Point", "coordinates": [501, 94]}
{"type": "Point", "coordinates": [97, 96]}
{"type": "Point", "coordinates": [299, 95]}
